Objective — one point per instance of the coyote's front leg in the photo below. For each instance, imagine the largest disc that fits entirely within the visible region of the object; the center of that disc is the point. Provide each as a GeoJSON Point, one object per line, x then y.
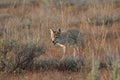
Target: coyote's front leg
{"type": "Point", "coordinates": [64, 50]}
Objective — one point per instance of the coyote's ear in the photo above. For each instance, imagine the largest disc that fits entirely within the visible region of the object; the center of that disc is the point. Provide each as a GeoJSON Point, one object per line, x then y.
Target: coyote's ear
{"type": "Point", "coordinates": [51, 30]}
{"type": "Point", "coordinates": [59, 30]}
{"type": "Point", "coordinates": [52, 34]}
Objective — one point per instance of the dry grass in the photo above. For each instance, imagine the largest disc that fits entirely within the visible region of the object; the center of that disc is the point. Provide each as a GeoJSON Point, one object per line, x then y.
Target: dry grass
{"type": "Point", "coordinates": [30, 23]}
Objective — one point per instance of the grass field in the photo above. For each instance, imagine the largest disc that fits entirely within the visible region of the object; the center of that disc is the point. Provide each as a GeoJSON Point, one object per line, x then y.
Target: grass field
{"type": "Point", "coordinates": [26, 49]}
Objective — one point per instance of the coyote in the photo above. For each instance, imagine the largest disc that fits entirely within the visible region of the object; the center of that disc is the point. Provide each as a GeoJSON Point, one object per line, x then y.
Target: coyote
{"type": "Point", "coordinates": [67, 38]}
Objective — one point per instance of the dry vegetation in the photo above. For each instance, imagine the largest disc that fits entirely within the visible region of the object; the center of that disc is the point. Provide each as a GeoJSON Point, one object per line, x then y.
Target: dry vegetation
{"type": "Point", "coordinates": [26, 50]}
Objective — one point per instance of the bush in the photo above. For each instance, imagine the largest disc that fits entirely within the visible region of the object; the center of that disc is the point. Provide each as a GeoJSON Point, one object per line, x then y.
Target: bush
{"type": "Point", "coordinates": [71, 63]}
{"type": "Point", "coordinates": [15, 56]}
{"type": "Point", "coordinates": [106, 62]}
{"type": "Point", "coordinates": [46, 64]}
{"type": "Point", "coordinates": [100, 19]}
{"type": "Point", "coordinates": [83, 4]}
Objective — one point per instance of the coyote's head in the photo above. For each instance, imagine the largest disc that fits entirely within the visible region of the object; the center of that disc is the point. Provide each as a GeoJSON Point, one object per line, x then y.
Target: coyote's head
{"type": "Point", "coordinates": [56, 36]}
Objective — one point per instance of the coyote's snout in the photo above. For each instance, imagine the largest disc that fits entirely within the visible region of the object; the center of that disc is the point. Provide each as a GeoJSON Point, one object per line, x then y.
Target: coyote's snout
{"type": "Point", "coordinates": [67, 38]}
